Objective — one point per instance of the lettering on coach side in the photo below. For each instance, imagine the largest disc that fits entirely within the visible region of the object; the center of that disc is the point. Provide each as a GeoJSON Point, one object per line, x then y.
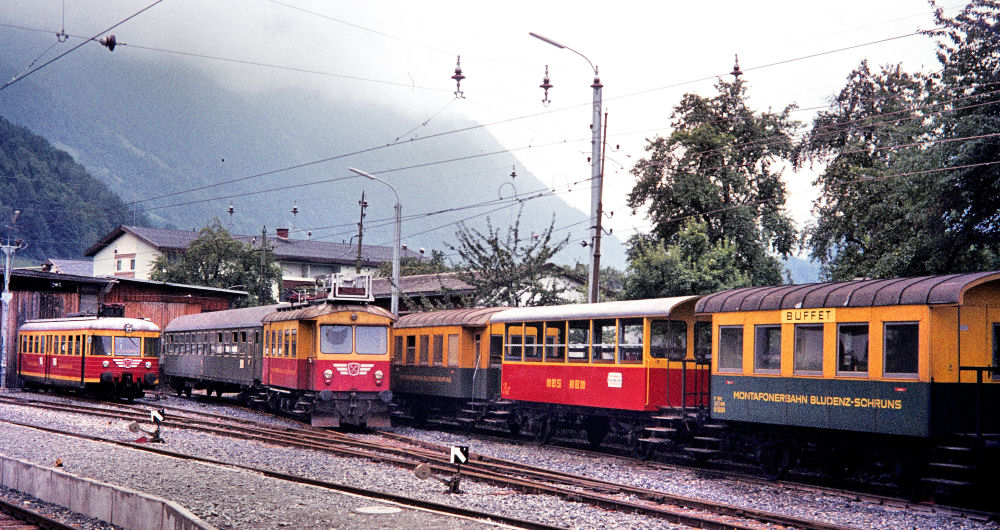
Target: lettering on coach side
{"type": "Point", "coordinates": [809, 316]}
{"type": "Point", "coordinates": [819, 401]}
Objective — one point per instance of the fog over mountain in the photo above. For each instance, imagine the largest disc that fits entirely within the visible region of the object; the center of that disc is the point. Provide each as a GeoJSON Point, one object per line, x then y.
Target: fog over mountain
{"type": "Point", "coordinates": [159, 133]}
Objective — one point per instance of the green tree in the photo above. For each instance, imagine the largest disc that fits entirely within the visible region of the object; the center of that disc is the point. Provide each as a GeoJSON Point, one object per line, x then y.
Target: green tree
{"type": "Point", "coordinates": [435, 264]}
{"type": "Point", "coordinates": [721, 165]}
{"type": "Point", "coordinates": [216, 259]}
{"type": "Point", "coordinates": [911, 184]}
{"type": "Point", "coordinates": [508, 269]}
{"type": "Point", "coordinates": [867, 218]}
{"type": "Point", "coordinates": [611, 279]}
{"type": "Point", "coordinates": [691, 265]}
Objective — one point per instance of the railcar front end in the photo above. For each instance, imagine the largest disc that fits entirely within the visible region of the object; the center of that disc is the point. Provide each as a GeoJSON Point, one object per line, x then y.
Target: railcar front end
{"type": "Point", "coordinates": [329, 362]}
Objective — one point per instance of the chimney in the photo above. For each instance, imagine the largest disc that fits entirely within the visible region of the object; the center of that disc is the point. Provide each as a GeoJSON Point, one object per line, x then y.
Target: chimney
{"type": "Point", "coordinates": [282, 233]}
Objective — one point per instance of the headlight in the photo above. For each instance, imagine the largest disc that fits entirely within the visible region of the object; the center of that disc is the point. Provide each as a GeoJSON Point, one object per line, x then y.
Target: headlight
{"type": "Point", "coordinates": [149, 365]}
{"type": "Point", "coordinates": [328, 374]}
{"type": "Point", "coordinates": [378, 377]}
{"type": "Point", "coordinates": [105, 364]}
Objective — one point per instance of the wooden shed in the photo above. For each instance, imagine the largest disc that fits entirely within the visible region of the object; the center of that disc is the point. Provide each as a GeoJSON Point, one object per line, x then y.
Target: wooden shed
{"type": "Point", "coordinates": [39, 294]}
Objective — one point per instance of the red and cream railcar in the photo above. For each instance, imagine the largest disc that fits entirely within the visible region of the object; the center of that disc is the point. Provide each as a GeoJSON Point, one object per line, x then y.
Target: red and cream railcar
{"type": "Point", "coordinates": [116, 356]}
{"type": "Point", "coordinates": [605, 367]}
{"type": "Point", "coordinates": [330, 361]}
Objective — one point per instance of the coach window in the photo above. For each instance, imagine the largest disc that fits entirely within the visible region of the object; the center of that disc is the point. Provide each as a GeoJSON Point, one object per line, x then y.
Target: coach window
{"type": "Point", "coordinates": [852, 349]}
{"type": "Point", "coordinates": [453, 349]}
{"type": "Point", "coordinates": [102, 345]}
{"type": "Point", "coordinates": [335, 338]}
{"type": "Point", "coordinates": [533, 342]}
{"type": "Point", "coordinates": [555, 341]}
{"type": "Point", "coordinates": [397, 349]}
{"type": "Point", "coordinates": [295, 341]}
{"type": "Point", "coordinates": [127, 346]}
{"type": "Point", "coordinates": [604, 340]}
{"type": "Point", "coordinates": [514, 341]}
{"type": "Point", "coordinates": [150, 347]}
{"type": "Point", "coordinates": [731, 349]}
{"type": "Point", "coordinates": [900, 349]}
{"type": "Point", "coordinates": [579, 340]}
{"type": "Point", "coordinates": [668, 339]}
{"type": "Point", "coordinates": [424, 349]}
{"type": "Point", "coordinates": [703, 342]}
{"type": "Point", "coordinates": [630, 340]}
{"type": "Point", "coordinates": [996, 351]}
{"type": "Point", "coordinates": [438, 344]}
{"type": "Point", "coordinates": [807, 357]}
{"type": "Point", "coordinates": [767, 349]}
{"type": "Point", "coordinates": [371, 340]}
{"type": "Point", "coordinates": [411, 349]}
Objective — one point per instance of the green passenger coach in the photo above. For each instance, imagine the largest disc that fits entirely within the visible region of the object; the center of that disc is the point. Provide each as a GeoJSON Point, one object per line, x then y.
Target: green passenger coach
{"type": "Point", "coordinates": [912, 361]}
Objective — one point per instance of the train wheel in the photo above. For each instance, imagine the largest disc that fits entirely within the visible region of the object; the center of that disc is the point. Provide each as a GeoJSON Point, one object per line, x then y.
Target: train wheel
{"type": "Point", "coordinates": [597, 429]}
{"type": "Point", "coordinates": [773, 458]}
{"type": "Point", "coordinates": [514, 426]}
{"type": "Point", "coordinates": [545, 429]}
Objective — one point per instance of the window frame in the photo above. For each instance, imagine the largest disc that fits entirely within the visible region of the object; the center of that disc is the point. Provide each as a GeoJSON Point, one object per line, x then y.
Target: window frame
{"type": "Point", "coordinates": [764, 331]}
{"type": "Point", "coordinates": [380, 334]}
{"type": "Point", "coordinates": [600, 350]}
{"type": "Point", "coordinates": [854, 373]}
{"type": "Point", "coordinates": [722, 355]}
{"type": "Point", "coordinates": [573, 352]}
{"type": "Point", "coordinates": [915, 374]}
{"type": "Point", "coordinates": [796, 353]}
{"type": "Point", "coordinates": [631, 348]}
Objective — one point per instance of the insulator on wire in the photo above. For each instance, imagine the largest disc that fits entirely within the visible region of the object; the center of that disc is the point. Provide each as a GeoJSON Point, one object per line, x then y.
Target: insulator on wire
{"type": "Point", "coordinates": [546, 85]}
{"type": "Point", "coordinates": [736, 73]}
{"type": "Point", "coordinates": [109, 42]}
{"type": "Point", "coordinates": [458, 77]}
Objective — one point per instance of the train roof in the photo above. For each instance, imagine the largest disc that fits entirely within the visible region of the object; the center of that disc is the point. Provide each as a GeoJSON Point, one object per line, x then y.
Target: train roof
{"type": "Point", "coordinates": [946, 289]}
{"type": "Point", "coordinates": [89, 323]}
{"type": "Point", "coordinates": [318, 310]}
{"type": "Point", "coordinates": [618, 309]}
{"type": "Point", "coordinates": [475, 317]}
{"type": "Point", "coordinates": [230, 318]}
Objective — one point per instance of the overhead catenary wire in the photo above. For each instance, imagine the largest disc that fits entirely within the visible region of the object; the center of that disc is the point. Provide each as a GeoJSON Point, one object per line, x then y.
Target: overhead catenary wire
{"type": "Point", "coordinates": [74, 48]}
{"type": "Point", "coordinates": [788, 61]}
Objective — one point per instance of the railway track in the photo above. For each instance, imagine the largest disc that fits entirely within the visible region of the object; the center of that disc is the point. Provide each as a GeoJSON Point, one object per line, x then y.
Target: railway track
{"type": "Point", "coordinates": [407, 452]}
{"type": "Point", "coordinates": [15, 517]}
{"type": "Point", "coordinates": [744, 472]}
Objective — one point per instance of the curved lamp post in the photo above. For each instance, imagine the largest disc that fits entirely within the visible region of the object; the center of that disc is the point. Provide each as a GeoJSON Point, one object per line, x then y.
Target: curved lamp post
{"type": "Point", "coordinates": [395, 247]}
{"type": "Point", "coordinates": [596, 180]}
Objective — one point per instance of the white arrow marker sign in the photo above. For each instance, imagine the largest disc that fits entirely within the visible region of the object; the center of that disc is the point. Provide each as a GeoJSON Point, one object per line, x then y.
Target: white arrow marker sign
{"type": "Point", "coordinates": [459, 454]}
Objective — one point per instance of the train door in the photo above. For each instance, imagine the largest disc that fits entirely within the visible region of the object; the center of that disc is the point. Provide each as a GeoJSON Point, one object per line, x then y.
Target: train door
{"type": "Point", "coordinates": [496, 360]}
{"type": "Point", "coordinates": [48, 353]}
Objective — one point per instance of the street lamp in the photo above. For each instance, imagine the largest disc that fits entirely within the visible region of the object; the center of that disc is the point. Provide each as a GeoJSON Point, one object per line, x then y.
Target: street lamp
{"type": "Point", "coordinates": [596, 179]}
{"type": "Point", "coordinates": [395, 247]}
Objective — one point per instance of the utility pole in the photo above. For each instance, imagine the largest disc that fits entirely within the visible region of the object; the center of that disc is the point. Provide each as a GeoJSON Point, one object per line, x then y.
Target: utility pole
{"type": "Point", "coordinates": [8, 250]}
{"type": "Point", "coordinates": [596, 175]}
{"type": "Point", "coordinates": [361, 227]}
{"type": "Point", "coordinates": [263, 262]}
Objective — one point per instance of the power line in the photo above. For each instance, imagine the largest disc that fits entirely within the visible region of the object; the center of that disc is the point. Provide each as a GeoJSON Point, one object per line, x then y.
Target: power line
{"type": "Point", "coordinates": [74, 48]}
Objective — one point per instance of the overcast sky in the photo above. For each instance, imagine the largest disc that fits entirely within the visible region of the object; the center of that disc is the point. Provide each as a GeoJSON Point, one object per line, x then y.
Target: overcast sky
{"type": "Point", "coordinates": [403, 53]}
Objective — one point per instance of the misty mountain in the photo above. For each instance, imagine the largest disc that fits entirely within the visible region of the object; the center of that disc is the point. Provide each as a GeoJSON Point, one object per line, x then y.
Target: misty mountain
{"type": "Point", "coordinates": [160, 134]}
{"type": "Point", "coordinates": [63, 209]}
